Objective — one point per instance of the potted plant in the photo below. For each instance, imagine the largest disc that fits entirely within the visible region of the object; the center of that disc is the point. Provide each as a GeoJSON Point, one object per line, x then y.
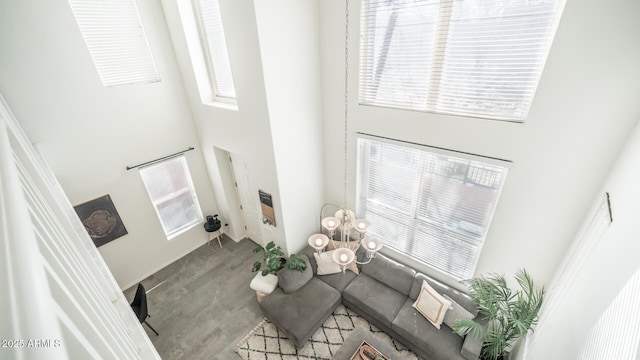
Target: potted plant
{"type": "Point", "coordinates": [274, 260]}
{"type": "Point", "coordinates": [509, 315]}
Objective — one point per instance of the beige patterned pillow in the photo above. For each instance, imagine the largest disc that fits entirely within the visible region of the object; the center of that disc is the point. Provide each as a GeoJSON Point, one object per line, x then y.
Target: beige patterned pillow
{"type": "Point", "coordinates": [353, 245]}
{"type": "Point", "coordinates": [431, 305]}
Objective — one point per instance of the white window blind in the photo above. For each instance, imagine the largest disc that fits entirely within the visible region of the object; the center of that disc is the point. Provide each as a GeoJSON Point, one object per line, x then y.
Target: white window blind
{"type": "Point", "coordinates": [434, 206]}
{"type": "Point", "coordinates": [616, 335]}
{"type": "Point", "coordinates": [172, 193]}
{"type": "Point", "coordinates": [116, 40]}
{"type": "Point", "coordinates": [478, 58]}
{"type": "Point", "coordinates": [214, 47]}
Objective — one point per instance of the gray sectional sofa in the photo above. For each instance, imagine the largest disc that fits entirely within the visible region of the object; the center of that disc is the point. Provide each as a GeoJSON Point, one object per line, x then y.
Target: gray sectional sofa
{"type": "Point", "coordinates": [383, 293]}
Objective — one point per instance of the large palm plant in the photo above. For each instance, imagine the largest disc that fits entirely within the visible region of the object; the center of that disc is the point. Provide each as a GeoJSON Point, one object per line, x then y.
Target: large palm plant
{"type": "Point", "coordinates": [509, 314]}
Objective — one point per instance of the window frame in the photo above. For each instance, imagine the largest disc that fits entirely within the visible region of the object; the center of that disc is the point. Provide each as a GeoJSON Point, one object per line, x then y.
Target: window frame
{"type": "Point", "coordinates": [615, 335]}
{"type": "Point", "coordinates": [203, 64]}
{"type": "Point", "coordinates": [411, 222]}
{"type": "Point", "coordinates": [167, 198]}
{"type": "Point", "coordinates": [435, 76]}
{"type": "Point", "coordinates": [122, 63]}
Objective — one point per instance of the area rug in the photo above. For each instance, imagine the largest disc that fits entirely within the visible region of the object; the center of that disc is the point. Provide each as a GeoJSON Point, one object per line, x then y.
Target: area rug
{"type": "Point", "coordinates": [266, 342]}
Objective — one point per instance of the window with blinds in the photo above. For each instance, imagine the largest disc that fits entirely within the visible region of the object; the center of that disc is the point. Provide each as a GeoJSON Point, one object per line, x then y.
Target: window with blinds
{"type": "Point", "coordinates": [477, 58]}
{"type": "Point", "coordinates": [214, 49]}
{"type": "Point", "coordinates": [616, 335]}
{"type": "Point", "coordinates": [116, 40]}
{"type": "Point", "coordinates": [433, 205]}
{"type": "Point", "coordinates": [173, 195]}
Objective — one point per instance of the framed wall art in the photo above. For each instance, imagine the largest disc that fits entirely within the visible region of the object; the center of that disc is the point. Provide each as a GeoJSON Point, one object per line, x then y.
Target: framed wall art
{"type": "Point", "coordinates": [101, 220]}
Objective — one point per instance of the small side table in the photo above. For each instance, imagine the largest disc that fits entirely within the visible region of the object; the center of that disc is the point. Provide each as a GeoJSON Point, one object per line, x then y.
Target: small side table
{"type": "Point", "coordinates": [211, 230]}
{"type": "Point", "coordinates": [263, 285]}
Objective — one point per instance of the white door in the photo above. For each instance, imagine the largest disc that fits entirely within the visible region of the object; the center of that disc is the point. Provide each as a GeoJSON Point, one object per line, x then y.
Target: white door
{"type": "Point", "coordinates": [249, 200]}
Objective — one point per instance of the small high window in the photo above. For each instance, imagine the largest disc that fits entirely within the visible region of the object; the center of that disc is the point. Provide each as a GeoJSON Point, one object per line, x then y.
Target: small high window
{"type": "Point", "coordinates": [214, 50]}
{"type": "Point", "coordinates": [116, 40]}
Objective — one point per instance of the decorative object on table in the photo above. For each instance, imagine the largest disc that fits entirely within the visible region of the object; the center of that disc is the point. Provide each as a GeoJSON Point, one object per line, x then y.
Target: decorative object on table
{"type": "Point", "coordinates": [266, 341]}
{"type": "Point", "coordinates": [101, 220]}
{"type": "Point", "coordinates": [266, 205]}
{"type": "Point", "coordinates": [274, 260]}
{"type": "Point", "coordinates": [344, 221]}
{"type": "Point", "coordinates": [377, 346]}
{"type": "Point", "coordinates": [509, 315]}
{"type": "Point", "coordinates": [367, 352]}
{"type": "Point", "coordinates": [213, 225]}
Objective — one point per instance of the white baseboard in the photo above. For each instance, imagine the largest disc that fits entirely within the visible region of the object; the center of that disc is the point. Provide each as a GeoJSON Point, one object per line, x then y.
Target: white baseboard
{"type": "Point", "coordinates": [155, 270]}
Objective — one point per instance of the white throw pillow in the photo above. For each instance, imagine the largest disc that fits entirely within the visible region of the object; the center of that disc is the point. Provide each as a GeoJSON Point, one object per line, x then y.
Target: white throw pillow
{"type": "Point", "coordinates": [325, 263]}
{"type": "Point", "coordinates": [431, 305]}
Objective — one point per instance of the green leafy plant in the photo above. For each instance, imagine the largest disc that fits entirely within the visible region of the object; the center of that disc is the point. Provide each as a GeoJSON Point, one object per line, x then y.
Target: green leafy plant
{"type": "Point", "coordinates": [509, 315]}
{"type": "Point", "coordinates": [274, 260]}
{"type": "Point", "coordinates": [294, 262]}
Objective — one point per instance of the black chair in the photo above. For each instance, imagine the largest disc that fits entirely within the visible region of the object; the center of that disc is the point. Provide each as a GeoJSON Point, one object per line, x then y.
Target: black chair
{"type": "Point", "coordinates": [139, 306]}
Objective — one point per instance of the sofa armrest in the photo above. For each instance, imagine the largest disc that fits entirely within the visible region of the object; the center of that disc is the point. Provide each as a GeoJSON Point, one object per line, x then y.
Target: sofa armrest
{"type": "Point", "coordinates": [471, 347]}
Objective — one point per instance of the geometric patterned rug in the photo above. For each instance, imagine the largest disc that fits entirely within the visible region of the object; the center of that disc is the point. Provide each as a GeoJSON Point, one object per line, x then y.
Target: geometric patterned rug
{"type": "Point", "coordinates": [266, 342]}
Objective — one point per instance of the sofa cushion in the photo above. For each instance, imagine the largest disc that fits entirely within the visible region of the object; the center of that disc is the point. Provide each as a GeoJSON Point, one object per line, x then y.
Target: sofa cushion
{"type": "Point", "coordinates": [417, 285]}
{"type": "Point", "coordinates": [309, 251]}
{"type": "Point", "coordinates": [377, 300]}
{"type": "Point", "coordinates": [435, 343]}
{"type": "Point", "coordinates": [464, 300]}
{"type": "Point", "coordinates": [291, 280]}
{"type": "Point", "coordinates": [393, 274]}
{"type": "Point", "coordinates": [338, 281]}
{"type": "Point", "coordinates": [456, 313]}
{"type": "Point", "coordinates": [472, 346]}
{"type": "Point", "coordinates": [432, 305]}
{"type": "Point", "coordinates": [303, 311]}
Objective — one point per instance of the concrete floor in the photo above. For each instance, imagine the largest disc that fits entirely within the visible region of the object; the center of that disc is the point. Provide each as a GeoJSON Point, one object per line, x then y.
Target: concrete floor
{"type": "Point", "coordinates": [201, 305]}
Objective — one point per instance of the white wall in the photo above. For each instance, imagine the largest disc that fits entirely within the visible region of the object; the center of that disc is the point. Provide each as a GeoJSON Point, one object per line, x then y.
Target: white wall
{"type": "Point", "coordinates": [245, 132]}
{"type": "Point", "coordinates": [89, 134]}
{"type": "Point", "coordinates": [585, 106]}
{"type": "Point", "coordinates": [605, 270]}
{"type": "Point", "coordinates": [289, 40]}
{"type": "Point", "coordinates": [278, 111]}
